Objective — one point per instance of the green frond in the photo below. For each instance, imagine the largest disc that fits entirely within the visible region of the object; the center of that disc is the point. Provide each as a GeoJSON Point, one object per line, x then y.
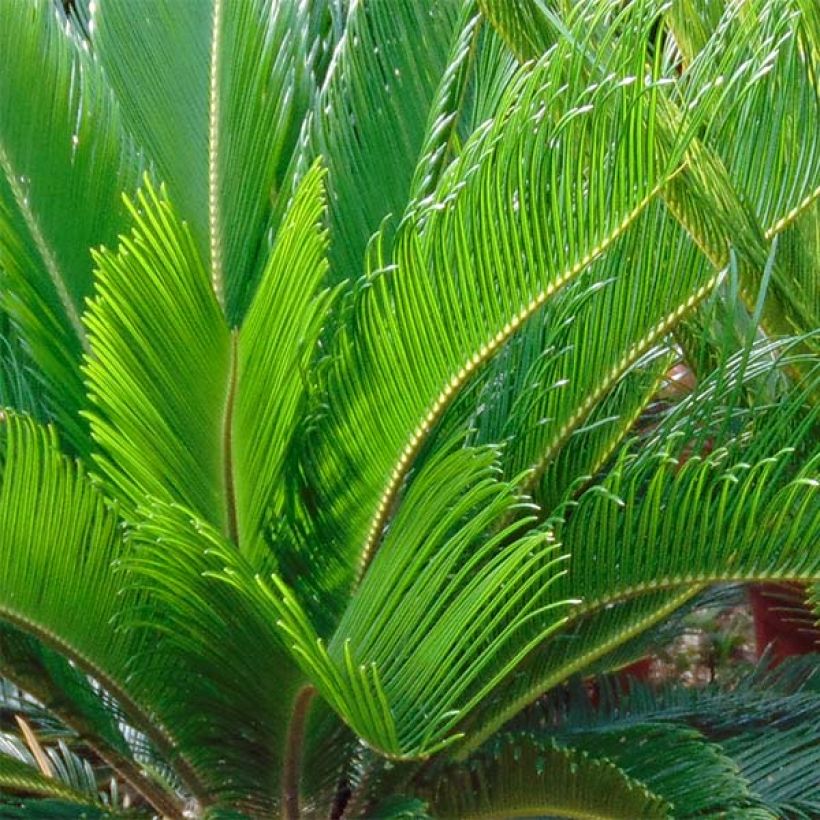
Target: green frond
{"type": "Point", "coordinates": [750, 507]}
{"type": "Point", "coordinates": [59, 541]}
{"type": "Point", "coordinates": [750, 750]}
{"type": "Point", "coordinates": [692, 23]}
{"type": "Point", "coordinates": [603, 329]}
{"type": "Point", "coordinates": [61, 688]}
{"type": "Point", "coordinates": [525, 27]}
{"type": "Point", "coordinates": [58, 549]}
{"type": "Point", "coordinates": [276, 346]}
{"type": "Point", "coordinates": [510, 225]}
{"type": "Point", "coordinates": [216, 93]}
{"type": "Point", "coordinates": [756, 132]}
{"type": "Point", "coordinates": [159, 370]}
{"type": "Point", "coordinates": [427, 636]}
{"type": "Point", "coordinates": [447, 109]}
{"type": "Point", "coordinates": [524, 777]}
{"type": "Point", "coordinates": [369, 120]}
{"type": "Point", "coordinates": [230, 720]}
{"type": "Point", "coordinates": [21, 387]}
{"type": "Point", "coordinates": [64, 160]}
{"type": "Point", "coordinates": [781, 766]}
{"type": "Point", "coordinates": [186, 410]}
{"type": "Point", "coordinates": [774, 160]}
{"type": "Point", "coordinates": [678, 763]}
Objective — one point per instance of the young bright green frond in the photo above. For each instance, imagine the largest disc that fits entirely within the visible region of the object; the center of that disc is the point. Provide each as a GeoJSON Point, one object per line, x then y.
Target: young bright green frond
{"type": "Point", "coordinates": [187, 410]}
{"type": "Point", "coordinates": [429, 635]}
{"type": "Point", "coordinates": [64, 161]}
{"type": "Point", "coordinates": [216, 93]}
{"type": "Point", "coordinates": [159, 371]}
{"type": "Point", "coordinates": [276, 346]}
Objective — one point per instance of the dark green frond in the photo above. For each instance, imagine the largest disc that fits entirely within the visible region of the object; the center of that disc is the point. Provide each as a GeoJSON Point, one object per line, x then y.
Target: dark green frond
{"type": "Point", "coordinates": [64, 161]}
{"type": "Point", "coordinates": [216, 93]}
{"type": "Point", "coordinates": [524, 777]}
{"type": "Point", "coordinates": [231, 717]}
{"type": "Point", "coordinates": [370, 117]}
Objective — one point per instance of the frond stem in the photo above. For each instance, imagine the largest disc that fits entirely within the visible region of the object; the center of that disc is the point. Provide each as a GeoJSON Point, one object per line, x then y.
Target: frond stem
{"type": "Point", "coordinates": [231, 524]}
{"type": "Point", "coordinates": [292, 768]}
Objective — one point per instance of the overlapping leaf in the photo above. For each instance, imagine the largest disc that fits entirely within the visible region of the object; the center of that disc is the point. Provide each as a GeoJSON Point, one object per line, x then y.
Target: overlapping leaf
{"type": "Point", "coordinates": [428, 632]}
{"type": "Point", "coordinates": [510, 224]}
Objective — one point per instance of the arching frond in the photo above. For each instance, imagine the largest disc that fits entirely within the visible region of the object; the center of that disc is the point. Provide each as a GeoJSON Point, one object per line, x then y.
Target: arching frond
{"type": "Point", "coordinates": [523, 777]}
{"type": "Point", "coordinates": [428, 635]}
{"type": "Point", "coordinates": [756, 498]}
{"type": "Point", "coordinates": [58, 547]}
{"type": "Point", "coordinates": [482, 262]}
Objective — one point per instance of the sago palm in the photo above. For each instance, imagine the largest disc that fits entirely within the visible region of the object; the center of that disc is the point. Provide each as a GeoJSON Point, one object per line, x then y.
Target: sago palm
{"type": "Point", "coordinates": [338, 450]}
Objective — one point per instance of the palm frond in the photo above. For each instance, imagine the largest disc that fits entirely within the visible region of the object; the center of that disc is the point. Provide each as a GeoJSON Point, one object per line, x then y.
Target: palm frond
{"type": "Point", "coordinates": [369, 120]}
{"type": "Point", "coordinates": [771, 39]}
{"type": "Point", "coordinates": [58, 548]}
{"type": "Point", "coordinates": [522, 776]}
{"type": "Point", "coordinates": [21, 388]}
{"type": "Point", "coordinates": [178, 397]}
{"type": "Point", "coordinates": [230, 722]}
{"type": "Point", "coordinates": [216, 94]}
{"type": "Point", "coordinates": [64, 160]}
{"type": "Point", "coordinates": [757, 518]}
{"type": "Point", "coordinates": [19, 777]}
{"type": "Point", "coordinates": [393, 659]}
{"type": "Point", "coordinates": [478, 267]}
{"type": "Point", "coordinates": [609, 324]}
{"type": "Point", "coordinates": [750, 748]}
